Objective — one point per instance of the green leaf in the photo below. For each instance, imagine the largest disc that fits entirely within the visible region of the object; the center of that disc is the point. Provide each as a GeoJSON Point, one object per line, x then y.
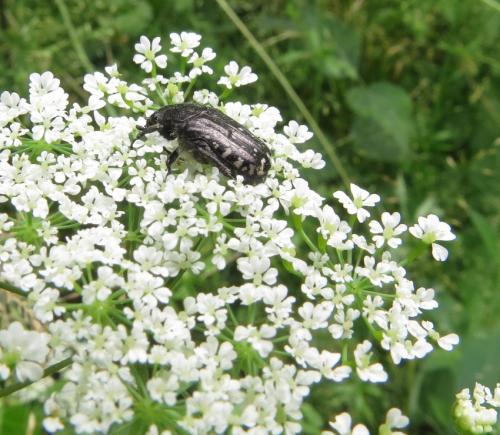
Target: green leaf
{"type": "Point", "coordinates": [13, 419]}
{"type": "Point", "coordinates": [134, 19]}
{"type": "Point", "coordinates": [383, 125]}
{"type": "Point", "coordinates": [312, 421]}
{"type": "Point", "coordinates": [330, 44]}
{"type": "Point", "coordinates": [481, 354]}
{"type": "Point", "coordinates": [347, 48]}
{"type": "Point", "coordinates": [486, 232]}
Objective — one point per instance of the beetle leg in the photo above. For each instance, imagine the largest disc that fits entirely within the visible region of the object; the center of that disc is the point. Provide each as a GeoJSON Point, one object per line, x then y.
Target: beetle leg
{"type": "Point", "coordinates": [172, 158]}
{"type": "Point", "coordinates": [201, 151]}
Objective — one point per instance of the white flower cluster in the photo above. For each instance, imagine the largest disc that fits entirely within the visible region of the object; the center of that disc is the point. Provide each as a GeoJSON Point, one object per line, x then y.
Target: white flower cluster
{"type": "Point", "coordinates": [476, 414]}
{"type": "Point", "coordinates": [191, 297]}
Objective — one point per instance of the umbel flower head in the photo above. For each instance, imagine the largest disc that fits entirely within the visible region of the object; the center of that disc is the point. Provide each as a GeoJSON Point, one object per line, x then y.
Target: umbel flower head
{"type": "Point", "coordinates": [476, 414]}
{"type": "Point", "coordinates": [195, 299]}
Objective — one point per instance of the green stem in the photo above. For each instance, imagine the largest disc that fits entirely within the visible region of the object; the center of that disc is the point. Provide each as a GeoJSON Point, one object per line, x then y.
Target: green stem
{"type": "Point", "coordinates": [232, 315]}
{"type": "Point", "coordinates": [189, 89]}
{"type": "Point", "coordinates": [225, 94]}
{"type": "Point", "coordinates": [79, 50]}
{"type": "Point", "coordinates": [10, 288]}
{"type": "Point", "coordinates": [492, 4]}
{"type": "Point", "coordinates": [298, 226]}
{"type": "Point", "coordinates": [252, 310]}
{"type": "Point", "coordinates": [275, 70]}
{"type": "Point", "coordinates": [415, 253]}
{"type": "Point", "coordinates": [382, 295]}
{"type": "Point", "coordinates": [376, 334]}
{"type": "Point", "coordinates": [157, 86]}
{"type": "Point", "coordinates": [345, 354]}
{"type": "Point", "coordinates": [47, 372]}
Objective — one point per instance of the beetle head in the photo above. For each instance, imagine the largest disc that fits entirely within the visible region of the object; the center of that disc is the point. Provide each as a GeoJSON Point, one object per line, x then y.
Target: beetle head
{"type": "Point", "coordinates": [160, 121]}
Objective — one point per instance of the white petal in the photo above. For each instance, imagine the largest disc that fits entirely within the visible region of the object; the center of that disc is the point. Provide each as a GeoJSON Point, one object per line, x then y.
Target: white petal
{"type": "Point", "coordinates": [396, 419]}
{"type": "Point", "coordinates": [440, 253]}
{"type": "Point", "coordinates": [342, 423]}
{"type": "Point", "coordinates": [161, 61]}
{"type": "Point", "coordinates": [416, 231]}
{"type": "Point", "coordinates": [448, 341]}
{"type": "Point", "coordinates": [138, 58]}
{"type": "Point", "coordinates": [28, 371]}
{"type": "Point", "coordinates": [360, 429]}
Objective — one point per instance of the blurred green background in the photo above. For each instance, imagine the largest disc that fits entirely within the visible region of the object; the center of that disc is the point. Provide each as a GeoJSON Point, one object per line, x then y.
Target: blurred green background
{"type": "Point", "coordinates": [407, 94]}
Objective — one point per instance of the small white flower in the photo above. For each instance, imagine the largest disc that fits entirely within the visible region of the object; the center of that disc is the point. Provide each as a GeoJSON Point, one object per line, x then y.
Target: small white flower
{"type": "Point", "coordinates": [146, 54]}
{"type": "Point", "coordinates": [342, 424]}
{"type": "Point", "coordinates": [315, 316]}
{"type": "Point", "coordinates": [360, 199]}
{"type": "Point", "coordinates": [220, 252]}
{"type": "Point", "coordinates": [11, 106]}
{"type": "Point", "coordinates": [43, 84]}
{"type": "Point", "coordinates": [184, 43]}
{"type": "Point", "coordinates": [258, 270]}
{"type": "Point", "coordinates": [238, 111]}
{"type": "Point", "coordinates": [301, 199]}
{"type": "Point", "coordinates": [258, 338]}
{"type": "Point", "coordinates": [344, 322]}
{"type": "Point", "coordinates": [377, 273]}
{"type": "Point", "coordinates": [430, 229]}
{"type": "Point", "coordinates": [278, 304]}
{"type": "Point", "coordinates": [387, 232]}
{"type": "Point", "coordinates": [311, 159]}
{"type": "Point", "coordinates": [46, 305]}
{"type": "Point", "coordinates": [112, 70]}
{"type": "Point", "coordinates": [10, 137]}
{"type": "Point", "coordinates": [297, 133]}
{"type": "Point", "coordinates": [366, 371]}
{"type": "Point", "coordinates": [495, 399]}
{"type": "Point", "coordinates": [362, 243]}
{"type": "Point", "coordinates": [394, 420]}
{"type": "Point", "coordinates": [325, 363]}
{"type": "Point", "coordinates": [211, 310]}
{"type": "Point", "coordinates": [339, 273]}
{"type": "Point", "coordinates": [27, 351]}
{"type": "Point", "coordinates": [204, 96]}
{"type": "Point", "coordinates": [341, 297]}
{"type": "Point", "coordinates": [219, 198]}
{"type": "Point", "coordinates": [314, 285]}
{"type": "Point", "coordinates": [198, 62]}
{"type": "Point", "coordinates": [186, 258]}
{"type": "Point", "coordinates": [236, 77]}
{"type": "Point", "coordinates": [448, 342]}
{"type": "Point", "coordinates": [163, 388]}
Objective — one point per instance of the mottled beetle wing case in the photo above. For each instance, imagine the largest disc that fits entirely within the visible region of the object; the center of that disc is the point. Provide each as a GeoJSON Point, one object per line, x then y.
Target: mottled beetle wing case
{"type": "Point", "coordinates": [212, 136]}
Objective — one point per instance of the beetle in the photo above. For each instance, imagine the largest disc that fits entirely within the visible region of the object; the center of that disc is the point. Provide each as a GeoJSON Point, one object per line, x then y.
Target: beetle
{"type": "Point", "coordinates": [211, 136]}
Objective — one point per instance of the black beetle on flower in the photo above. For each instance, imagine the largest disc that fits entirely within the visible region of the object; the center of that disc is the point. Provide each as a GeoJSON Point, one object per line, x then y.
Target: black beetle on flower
{"type": "Point", "coordinates": [212, 137]}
